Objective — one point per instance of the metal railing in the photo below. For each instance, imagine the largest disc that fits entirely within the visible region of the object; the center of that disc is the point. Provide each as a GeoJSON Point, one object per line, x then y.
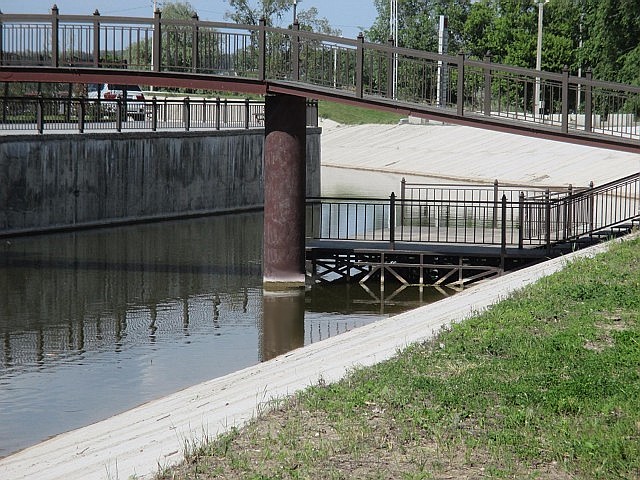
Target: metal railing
{"type": "Point", "coordinates": [83, 114]}
{"type": "Point", "coordinates": [467, 215]}
{"type": "Point", "coordinates": [427, 83]}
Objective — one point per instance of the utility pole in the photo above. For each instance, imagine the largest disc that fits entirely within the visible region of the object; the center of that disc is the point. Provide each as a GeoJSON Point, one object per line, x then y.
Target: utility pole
{"type": "Point", "coordinates": [539, 103]}
{"type": "Point", "coordinates": [393, 30]}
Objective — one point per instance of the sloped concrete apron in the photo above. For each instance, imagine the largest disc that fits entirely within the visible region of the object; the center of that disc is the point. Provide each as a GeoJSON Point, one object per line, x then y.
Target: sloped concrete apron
{"type": "Point", "coordinates": [138, 442]}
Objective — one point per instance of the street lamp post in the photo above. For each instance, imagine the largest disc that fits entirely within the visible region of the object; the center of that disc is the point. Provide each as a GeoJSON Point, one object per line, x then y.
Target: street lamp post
{"type": "Point", "coordinates": [539, 104]}
{"type": "Point", "coordinates": [295, 9]}
{"type": "Point", "coordinates": [393, 29]}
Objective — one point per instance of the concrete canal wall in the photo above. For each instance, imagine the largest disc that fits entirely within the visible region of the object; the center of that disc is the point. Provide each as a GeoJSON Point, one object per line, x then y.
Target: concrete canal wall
{"type": "Point", "coordinates": [70, 180]}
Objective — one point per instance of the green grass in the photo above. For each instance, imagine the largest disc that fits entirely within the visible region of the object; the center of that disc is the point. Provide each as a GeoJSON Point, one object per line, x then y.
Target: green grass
{"type": "Point", "coordinates": [349, 115]}
{"type": "Point", "coordinates": [545, 385]}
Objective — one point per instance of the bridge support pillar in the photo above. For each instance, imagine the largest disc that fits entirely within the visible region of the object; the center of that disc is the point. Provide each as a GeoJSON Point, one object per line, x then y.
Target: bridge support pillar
{"type": "Point", "coordinates": [284, 191]}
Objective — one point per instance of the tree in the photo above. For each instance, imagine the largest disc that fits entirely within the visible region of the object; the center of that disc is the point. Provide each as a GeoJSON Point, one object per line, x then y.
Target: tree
{"type": "Point", "coordinates": [249, 12]}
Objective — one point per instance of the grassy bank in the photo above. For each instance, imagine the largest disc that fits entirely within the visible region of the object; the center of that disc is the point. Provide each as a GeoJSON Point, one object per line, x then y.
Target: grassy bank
{"type": "Point", "coordinates": [348, 115]}
{"type": "Point", "coordinates": [544, 385]}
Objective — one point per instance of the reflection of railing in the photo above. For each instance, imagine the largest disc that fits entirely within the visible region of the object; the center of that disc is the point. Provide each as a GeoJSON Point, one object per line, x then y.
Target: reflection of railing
{"type": "Point", "coordinates": [83, 114]}
{"type": "Point", "coordinates": [349, 67]}
{"type": "Point", "coordinates": [468, 215]}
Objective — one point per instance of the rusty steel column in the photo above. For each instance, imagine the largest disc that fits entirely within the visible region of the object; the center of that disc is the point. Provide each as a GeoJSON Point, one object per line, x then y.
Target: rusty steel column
{"type": "Point", "coordinates": [284, 191]}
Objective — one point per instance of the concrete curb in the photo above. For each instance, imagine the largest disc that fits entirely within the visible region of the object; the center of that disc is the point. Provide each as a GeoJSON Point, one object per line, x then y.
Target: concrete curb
{"type": "Point", "coordinates": [138, 442]}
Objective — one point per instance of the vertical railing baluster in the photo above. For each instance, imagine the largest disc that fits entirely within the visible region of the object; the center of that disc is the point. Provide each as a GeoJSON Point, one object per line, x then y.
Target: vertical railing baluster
{"type": "Point", "coordinates": [96, 38]}
{"type": "Point", "coordinates": [460, 94]}
{"type": "Point", "coordinates": [588, 103]}
{"type": "Point", "coordinates": [55, 35]}
{"type": "Point", "coordinates": [262, 49]}
{"type": "Point", "coordinates": [156, 54]}
{"type": "Point", "coordinates": [392, 221]}
{"type": "Point", "coordinates": [360, 66]}
{"type": "Point", "coordinates": [487, 84]}
{"type": "Point", "coordinates": [565, 100]}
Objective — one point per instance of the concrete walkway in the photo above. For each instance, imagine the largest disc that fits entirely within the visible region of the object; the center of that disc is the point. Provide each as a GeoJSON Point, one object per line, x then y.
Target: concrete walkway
{"type": "Point", "coordinates": [138, 442]}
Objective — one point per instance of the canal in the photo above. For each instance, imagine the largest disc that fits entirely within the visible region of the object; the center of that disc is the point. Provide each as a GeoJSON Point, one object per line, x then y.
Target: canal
{"type": "Point", "coordinates": [96, 322]}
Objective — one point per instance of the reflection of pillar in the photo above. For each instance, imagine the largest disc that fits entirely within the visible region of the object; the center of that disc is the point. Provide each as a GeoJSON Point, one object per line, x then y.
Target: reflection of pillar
{"type": "Point", "coordinates": [282, 323]}
{"type": "Point", "coordinates": [284, 190]}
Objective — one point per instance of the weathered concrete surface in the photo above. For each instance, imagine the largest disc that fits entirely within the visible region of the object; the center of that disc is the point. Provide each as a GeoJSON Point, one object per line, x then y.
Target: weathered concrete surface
{"type": "Point", "coordinates": [81, 180]}
{"type": "Point", "coordinates": [154, 435]}
{"type": "Point", "coordinates": [456, 153]}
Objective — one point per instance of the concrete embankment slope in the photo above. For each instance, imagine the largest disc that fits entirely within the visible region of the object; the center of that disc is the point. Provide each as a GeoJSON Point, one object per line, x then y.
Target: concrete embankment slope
{"type": "Point", "coordinates": [138, 442]}
{"type": "Point", "coordinates": [456, 153]}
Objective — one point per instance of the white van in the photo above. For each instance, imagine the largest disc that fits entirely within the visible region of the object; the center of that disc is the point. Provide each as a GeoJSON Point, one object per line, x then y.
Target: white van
{"type": "Point", "coordinates": [112, 91]}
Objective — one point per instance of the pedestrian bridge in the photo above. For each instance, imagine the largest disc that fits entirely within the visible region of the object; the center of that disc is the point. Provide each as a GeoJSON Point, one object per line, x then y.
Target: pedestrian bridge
{"type": "Point", "coordinates": [264, 60]}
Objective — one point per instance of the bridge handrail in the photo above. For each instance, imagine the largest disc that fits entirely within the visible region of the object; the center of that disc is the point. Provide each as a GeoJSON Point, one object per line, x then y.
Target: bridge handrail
{"type": "Point", "coordinates": [448, 87]}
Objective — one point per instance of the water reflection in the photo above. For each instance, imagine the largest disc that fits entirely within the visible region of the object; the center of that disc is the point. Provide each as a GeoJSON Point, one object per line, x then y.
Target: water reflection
{"type": "Point", "coordinates": [94, 323]}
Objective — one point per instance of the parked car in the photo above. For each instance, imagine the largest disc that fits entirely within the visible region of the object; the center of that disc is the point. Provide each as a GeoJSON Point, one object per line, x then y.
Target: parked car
{"type": "Point", "coordinates": [112, 91]}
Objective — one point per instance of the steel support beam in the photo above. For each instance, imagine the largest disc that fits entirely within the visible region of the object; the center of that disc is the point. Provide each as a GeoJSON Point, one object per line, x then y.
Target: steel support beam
{"type": "Point", "coordinates": [284, 191]}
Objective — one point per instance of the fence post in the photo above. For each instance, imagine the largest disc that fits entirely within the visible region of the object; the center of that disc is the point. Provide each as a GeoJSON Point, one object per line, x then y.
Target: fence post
{"type": "Point", "coordinates": [521, 221]}
{"type": "Point", "coordinates": [194, 43]}
{"type": "Point", "coordinates": [96, 38]}
{"type": "Point", "coordinates": [588, 103]}
{"type": "Point", "coordinates": [247, 112]}
{"type": "Point", "coordinates": [565, 99]}
{"type": "Point", "coordinates": [570, 211]}
{"type": "Point", "coordinates": [487, 84]}
{"type": "Point", "coordinates": [40, 115]}
{"type": "Point", "coordinates": [118, 115]}
{"type": "Point", "coordinates": [81, 115]}
{"type": "Point", "coordinates": [591, 207]}
{"type": "Point", "coordinates": [156, 53]}
{"type": "Point", "coordinates": [360, 66]}
{"type": "Point", "coordinates": [403, 196]}
{"type": "Point", "coordinates": [295, 51]}
{"type": "Point", "coordinates": [217, 113]}
{"type": "Point", "coordinates": [154, 113]}
{"type": "Point", "coordinates": [55, 24]}
{"type": "Point", "coordinates": [547, 220]}
{"type": "Point", "coordinates": [503, 232]}
{"type": "Point", "coordinates": [262, 49]}
{"type": "Point", "coordinates": [495, 202]}
{"type": "Point", "coordinates": [392, 221]}
{"type": "Point", "coordinates": [186, 114]}
{"type": "Point", "coordinates": [460, 94]}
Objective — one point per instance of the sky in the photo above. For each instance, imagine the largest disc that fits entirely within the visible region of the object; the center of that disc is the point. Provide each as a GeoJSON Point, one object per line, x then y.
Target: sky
{"type": "Point", "coordinates": [350, 16]}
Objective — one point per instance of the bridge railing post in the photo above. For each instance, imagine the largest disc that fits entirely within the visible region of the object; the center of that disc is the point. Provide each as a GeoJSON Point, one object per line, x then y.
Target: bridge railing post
{"type": "Point", "coordinates": [521, 221]}
{"type": "Point", "coordinates": [81, 113]}
{"type": "Point", "coordinates": [55, 35]}
{"type": "Point", "coordinates": [154, 113]}
{"type": "Point", "coordinates": [262, 49]}
{"type": "Point", "coordinates": [217, 113]}
{"type": "Point", "coordinates": [360, 66]}
{"type": "Point", "coordinates": [1, 40]}
{"type": "Point", "coordinates": [96, 38]}
{"type": "Point", "coordinates": [194, 43]}
{"type": "Point", "coordinates": [390, 69]}
{"type": "Point", "coordinates": [392, 221]}
{"type": "Point", "coordinates": [547, 220]}
{"type": "Point", "coordinates": [495, 202]}
{"type": "Point", "coordinates": [403, 196]}
{"type": "Point", "coordinates": [40, 115]}
{"type": "Point", "coordinates": [460, 92]}
{"type": "Point", "coordinates": [247, 113]}
{"type": "Point", "coordinates": [156, 50]}
{"type": "Point", "coordinates": [186, 114]}
{"type": "Point", "coordinates": [118, 115]}
{"type": "Point", "coordinates": [588, 103]}
{"type": "Point", "coordinates": [503, 232]}
{"type": "Point", "coordinates": [487, 84]}
{"type": "Point", "coordinates": [295, 51]}
{"type": "Point", "coordinates": [565, 100]}
{"type": "Point", "coordinates": [570, 212]}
